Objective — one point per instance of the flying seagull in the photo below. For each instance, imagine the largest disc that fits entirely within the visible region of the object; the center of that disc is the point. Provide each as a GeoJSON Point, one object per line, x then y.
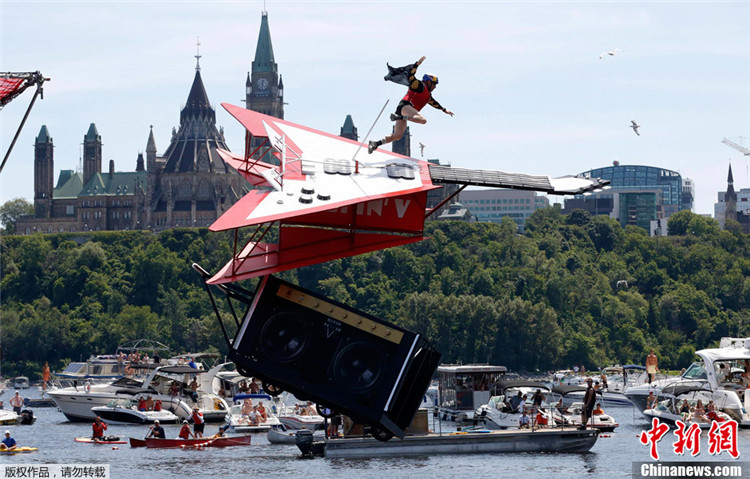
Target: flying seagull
{"type": "Point", "coordinates": [612, 53]}
{"type": "Point", "coordinates": [635, 127]}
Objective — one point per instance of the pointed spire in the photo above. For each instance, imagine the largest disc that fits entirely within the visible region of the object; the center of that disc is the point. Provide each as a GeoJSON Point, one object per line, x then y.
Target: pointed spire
{"type": "Point", "coordinates": [349, 130]}
{"type": "Point", "coordinates": [92, 134]}
{"type": "Point", "coordinates": [43, 136]}
{"type": "Point", "coordinates": [730, 179]}
{"type": "Point", "coordinates": [198, 54]}
{"type": "Point", "coordinates": [197, 104]}
{"type": "Point", "coordinates": [151, 144]}
{"type": "Point", "coordinates": [264, 61]}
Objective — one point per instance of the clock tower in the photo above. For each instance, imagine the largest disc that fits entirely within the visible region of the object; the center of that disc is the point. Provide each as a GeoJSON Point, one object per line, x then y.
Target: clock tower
{"type": "Point", "coordinates": [264, 90]}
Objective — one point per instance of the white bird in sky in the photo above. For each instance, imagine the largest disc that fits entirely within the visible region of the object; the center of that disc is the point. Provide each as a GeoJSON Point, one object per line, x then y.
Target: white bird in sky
{"type": "Point", "coordinates": [635, 127]}
{"type": "Point", "coordinates": [612, 53]}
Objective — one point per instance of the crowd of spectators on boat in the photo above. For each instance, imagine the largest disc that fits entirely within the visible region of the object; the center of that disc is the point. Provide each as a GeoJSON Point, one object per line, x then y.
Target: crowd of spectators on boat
{"type": "Point", "coordinates": [148, 404]}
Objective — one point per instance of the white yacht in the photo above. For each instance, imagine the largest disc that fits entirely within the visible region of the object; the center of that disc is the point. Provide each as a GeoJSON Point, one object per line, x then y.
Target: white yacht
{"type": "Point", "coordinates": [718, 373]}
{"type": "Point", "coordinates": [102, 367]}
{"type": "Point", "coordinates": [76, 401]}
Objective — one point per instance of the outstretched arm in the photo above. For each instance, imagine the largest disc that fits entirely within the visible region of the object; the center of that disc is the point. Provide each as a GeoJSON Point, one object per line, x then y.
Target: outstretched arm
{"type": "Point", "coordinates": [414, 84]}
{"type": "Point", "coordinates": [434, 103]}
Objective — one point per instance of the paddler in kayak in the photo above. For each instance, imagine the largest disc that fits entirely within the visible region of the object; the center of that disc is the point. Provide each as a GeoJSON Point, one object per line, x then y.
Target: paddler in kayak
{"type": "Point", "coordinates": [8, 444]}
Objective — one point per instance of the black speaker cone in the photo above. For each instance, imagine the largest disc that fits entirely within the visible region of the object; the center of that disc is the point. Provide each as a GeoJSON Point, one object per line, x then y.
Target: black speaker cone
{"type": "Point", "coordinates": [284, 337]}
{"type": "Point", "coordinates": [358, 367]}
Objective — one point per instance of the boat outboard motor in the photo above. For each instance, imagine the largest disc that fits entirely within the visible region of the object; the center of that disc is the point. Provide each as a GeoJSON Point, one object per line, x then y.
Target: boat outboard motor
{"type": "Point", "coordinates": [306, 445]}
{"type": "Point", "coordinates": [27, 417]}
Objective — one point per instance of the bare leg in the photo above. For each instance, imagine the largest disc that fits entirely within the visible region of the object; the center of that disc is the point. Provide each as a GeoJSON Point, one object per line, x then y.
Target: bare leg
{"type": "Point", "coordinates": [409, 113]}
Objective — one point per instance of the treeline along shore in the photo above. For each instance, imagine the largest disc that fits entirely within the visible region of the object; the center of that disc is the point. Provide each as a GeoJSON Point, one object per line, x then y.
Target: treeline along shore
{"type": "Point", "coordinates": [573, 289]}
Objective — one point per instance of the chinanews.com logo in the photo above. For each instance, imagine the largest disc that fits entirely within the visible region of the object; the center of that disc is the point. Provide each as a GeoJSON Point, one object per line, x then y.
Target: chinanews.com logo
{"type": "Point", "coordinates": [722, 439]}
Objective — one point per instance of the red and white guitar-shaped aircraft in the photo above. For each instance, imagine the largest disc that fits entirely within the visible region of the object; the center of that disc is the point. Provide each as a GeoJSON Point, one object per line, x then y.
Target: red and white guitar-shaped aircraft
{"type": "Point", "coordinates": [328, 205]}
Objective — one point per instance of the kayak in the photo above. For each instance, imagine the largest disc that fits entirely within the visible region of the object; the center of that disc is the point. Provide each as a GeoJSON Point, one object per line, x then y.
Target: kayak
{"type": "Point", "coordinates": [89, 440]}
{"type": "Point", "coordinates": [200, 442]}
{"type": "Point", "coordinates": [20, 450]}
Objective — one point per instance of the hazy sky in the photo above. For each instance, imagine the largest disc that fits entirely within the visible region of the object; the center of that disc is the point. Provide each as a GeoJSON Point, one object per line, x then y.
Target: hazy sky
{"type": "Point", "coordinates": [524, 79]}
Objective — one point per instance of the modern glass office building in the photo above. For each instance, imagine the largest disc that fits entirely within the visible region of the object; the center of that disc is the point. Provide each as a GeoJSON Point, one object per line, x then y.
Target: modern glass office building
{"type": "Point", "coordinates": [639, 194]}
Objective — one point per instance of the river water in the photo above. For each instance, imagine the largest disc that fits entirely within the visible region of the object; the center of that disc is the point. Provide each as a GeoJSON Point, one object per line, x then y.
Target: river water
{"type": "Point", "coordinates": [611, 456]}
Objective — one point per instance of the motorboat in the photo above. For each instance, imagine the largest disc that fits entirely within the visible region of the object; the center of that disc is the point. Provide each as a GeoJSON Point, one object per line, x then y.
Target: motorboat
{"type": "Point", "coordinates": [226, 441]}
{"type": "Point", "coordinates": [569, 377]}
{"type": "Point", "coordinates": [571, 394]}
{"type": "Point", "coordinates": [178, 378]}
{"type": "Point", "coordinates": [463, 388]}
{"type": "Point", "coordinates": [298, 416]}
{"type": "Point", "coordinates": [76, 401]}
{"type": "Point", "coordinates": [603, 422]}
{"type": "Point", "coordinates": [125, 411]}
{"type": "Point", "coordinates": [502, 410]}
{"type": "Point", "coordinates": [670, 409]}
{"type": "Point", "coordinates": [8, 418]}
{"type": "Point", "coordinates": [21, 382]}
{"type": "Point", "coordinates": [240, 422]}
{"type": "Point", "coordinates": [716, 372]}
{"type": "Point", "coordinates": [282, 435]}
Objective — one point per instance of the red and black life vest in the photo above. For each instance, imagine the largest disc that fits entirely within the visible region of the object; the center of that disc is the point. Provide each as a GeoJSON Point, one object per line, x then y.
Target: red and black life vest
{"type": "Point", "coordinates": [418, 99]}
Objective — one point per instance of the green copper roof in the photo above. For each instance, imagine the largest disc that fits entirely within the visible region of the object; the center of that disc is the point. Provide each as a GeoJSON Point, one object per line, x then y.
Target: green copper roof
{"type": "Point", "coordinates": [69, 185]}
{"type": "Point", "coordinates": [43, 135]}
{"type": "Point", "coordinates": [264, 61]}
{"type": "Point", "coordinates": [119, 184]}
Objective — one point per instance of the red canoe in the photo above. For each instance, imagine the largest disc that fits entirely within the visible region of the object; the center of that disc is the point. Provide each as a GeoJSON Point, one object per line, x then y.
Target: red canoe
{"type": "Point", "coordinates": [190, 443]}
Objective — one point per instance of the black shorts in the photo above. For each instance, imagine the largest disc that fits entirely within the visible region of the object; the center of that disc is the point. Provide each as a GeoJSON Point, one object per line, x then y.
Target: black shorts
{"type": "Point", "coordinates": [199, 427]}
{"type": "Point", "coordinates": [400, 105]}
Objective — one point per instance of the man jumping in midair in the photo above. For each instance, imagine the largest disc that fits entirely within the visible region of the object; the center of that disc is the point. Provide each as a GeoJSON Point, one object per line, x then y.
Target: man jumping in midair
{"type": "Point", "coordinates": [419, 95]}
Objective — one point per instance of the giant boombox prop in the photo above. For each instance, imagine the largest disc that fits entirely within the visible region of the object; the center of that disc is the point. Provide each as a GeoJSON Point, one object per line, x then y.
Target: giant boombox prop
{"type": "Point", "coordinates": [338, 357]}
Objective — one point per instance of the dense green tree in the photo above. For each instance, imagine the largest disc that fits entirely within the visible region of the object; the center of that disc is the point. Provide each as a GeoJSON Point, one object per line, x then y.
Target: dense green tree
{"type": "Point", "coordinates": [571, 290]}
{"type": "Point", "coordinates": [10, 211]}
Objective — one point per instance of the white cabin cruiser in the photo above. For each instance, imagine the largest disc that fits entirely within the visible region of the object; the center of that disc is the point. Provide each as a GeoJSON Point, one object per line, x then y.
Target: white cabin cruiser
{"type": "Point", "coordinates": [716, 373]}
{"type": "Point", "coordinates": [502, 410]}
{"type": "Point", "coordinates": [76, 401]}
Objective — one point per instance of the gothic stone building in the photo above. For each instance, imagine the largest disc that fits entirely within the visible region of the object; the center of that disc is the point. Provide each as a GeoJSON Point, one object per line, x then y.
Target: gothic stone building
{"type": "Point", "coordinates": [189, 185]}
